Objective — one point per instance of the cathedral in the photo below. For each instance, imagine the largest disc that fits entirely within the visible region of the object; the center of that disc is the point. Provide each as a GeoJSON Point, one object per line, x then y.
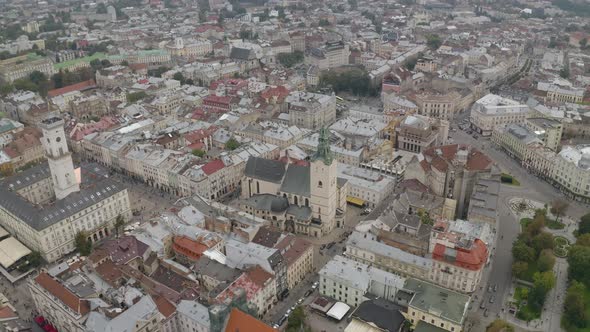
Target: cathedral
{"type": "Point", "coordinates": [305, 199]}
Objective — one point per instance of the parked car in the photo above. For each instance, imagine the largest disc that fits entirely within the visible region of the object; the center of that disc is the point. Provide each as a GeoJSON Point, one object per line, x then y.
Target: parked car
{"type": "Point", "coordinates": [492, 298]}
{"type": "Point", "coordinates": [486, 313]}
{"type": "Point", "coordinates": [495, 287]}
{"type": "Point", "coordinates": [282, 320]}
{"type": "Point", "coordinates": [308, 293]}
{"type": "Point", "coordinates": [489, 288]}
{"type": "Point", "coordinates": [482, 305]}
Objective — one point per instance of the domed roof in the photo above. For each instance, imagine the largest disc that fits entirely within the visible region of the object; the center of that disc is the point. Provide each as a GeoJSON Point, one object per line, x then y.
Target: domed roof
{"type": "Point", "coordinates": [279, 204]}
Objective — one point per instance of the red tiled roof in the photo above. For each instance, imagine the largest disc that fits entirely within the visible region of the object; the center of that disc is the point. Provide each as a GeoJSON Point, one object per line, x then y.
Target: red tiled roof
{"type": "Point", "coordinates": [63, 294]}
{"type": "Point", "coordinates": [472, 259]}
{"type": "Point", "coordinates": [165, 307]}
{"type": "Point", "coordinates": [188, 247]}
{"type": "Point", "coordinates": [241, 322]}
{"type": "Point", "coordinates": [74, 87]}
{"type": "Point", "coordinates": [213, 166]}
{"type": "Point", "coordinates": [441, 156]}
{"type": "Point", "coordinates": [7, 313]}
{"type": "Point", "coordinates": [258, 275]}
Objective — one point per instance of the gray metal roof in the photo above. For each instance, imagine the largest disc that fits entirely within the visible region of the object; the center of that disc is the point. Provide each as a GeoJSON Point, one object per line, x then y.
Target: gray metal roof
{"type": "Point", "coordinates": [242, 54]}
{"type": "Point", "coordinates": [296, 180]}
{"type": "Point", "coordinates": [265, 169]}
{"type": "Point", "coordinates": [299, 212]}
{"type": "Point", "coordinates": [449, 305]}
{"type": "Point", "coordinates": [95, 187]}
{"type": "Point", "coordinates": [267, 202]}
{"type": "Point", "coordinates": [382, 313]}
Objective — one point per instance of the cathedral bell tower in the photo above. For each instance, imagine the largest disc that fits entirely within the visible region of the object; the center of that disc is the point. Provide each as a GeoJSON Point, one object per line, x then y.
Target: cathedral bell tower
{"type": "Point", "coordinates": [324, 190]}
{"type": "Point", "coordinates": [59, 157]}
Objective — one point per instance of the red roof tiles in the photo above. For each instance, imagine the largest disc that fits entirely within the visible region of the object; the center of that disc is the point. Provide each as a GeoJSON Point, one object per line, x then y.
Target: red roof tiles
{"type": "Point", "coordinates": [74, 87]}
{"type": "Point", "coordinates": [63, 294]}
{"type": "Point", "coordinates": [213, 166]}
{"type": "Point", "coordinates": [241, 322]}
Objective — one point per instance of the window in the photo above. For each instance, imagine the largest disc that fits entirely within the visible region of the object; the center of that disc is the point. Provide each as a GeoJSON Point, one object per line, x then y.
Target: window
{"type": "Point", "coordinates": [320, 185]}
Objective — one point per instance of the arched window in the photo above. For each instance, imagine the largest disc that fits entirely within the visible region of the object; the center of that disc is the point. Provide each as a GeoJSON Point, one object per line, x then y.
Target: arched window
{"type": "Point", "coordinates": [257, 187]}
{"type": "Point", "coordinates": [320, 184]}
{"type": "Point", "coordinates": [307, 202]}
{"type": "Point", "coordinates": [295, 201]}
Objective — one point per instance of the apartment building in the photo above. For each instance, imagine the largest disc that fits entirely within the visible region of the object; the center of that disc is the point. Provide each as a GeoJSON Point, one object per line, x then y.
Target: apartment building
{"type": "Point", "coordinates": [365, 248]}
{"type": "Point", "coordinates": [370, 186]}
{"type": "Point", "coordinates": [492, 111]}
{"type": "Point", "coordinates": [22, 66]}
{"type": "Point", "coordinates": [311, 110]}
{"type": "Point", "coordinates": [298, 254]}
{"type": "Point", "coordinates": [436, 306]}
{"type": "Point", "coordinates": [547, 130]}
{"type": "Point", "coordinates": [91, 205]}
{"type": "Point", "coordinates": [349, 281]}
{"type": "Point", "coordinates": [417, 132]}
{"type": "Point", "coordinates": [439, 105]}
{"type": "Point", "coordinates": [571, 171]}
{"type": "Point", "coordinates": [192, 316]}
{"type": "Point", "coordinates": [190, 48]}
{"type": "Point", "coordinates": [560, 92]}
{"type": "Point", "coordinates": [329, 55]}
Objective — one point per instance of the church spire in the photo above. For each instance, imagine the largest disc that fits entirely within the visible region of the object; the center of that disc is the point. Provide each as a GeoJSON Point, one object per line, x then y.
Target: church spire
{"type": "Point", "coordinates": [323, 151]}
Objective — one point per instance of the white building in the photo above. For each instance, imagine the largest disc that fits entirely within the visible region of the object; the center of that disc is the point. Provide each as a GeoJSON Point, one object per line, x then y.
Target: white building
{"type": "Point", "coordinates": [493, 111]}
{"type": "Point", "coordinates": [191, 316]}
{"type": "Point", "coordinates": [86, 200]}
{"type": "Point", "coordinates": [366, 184]}
{"type": "Point", "coordinates": [348, 281]}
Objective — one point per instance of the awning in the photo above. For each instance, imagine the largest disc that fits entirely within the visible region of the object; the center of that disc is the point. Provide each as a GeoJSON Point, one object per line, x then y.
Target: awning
{"type": "Point", "coordinates": [338, 310]}
{"type": "Point", "coordinates": [11, 250]}
{"type": "Point", "coordinates": [355, 201]}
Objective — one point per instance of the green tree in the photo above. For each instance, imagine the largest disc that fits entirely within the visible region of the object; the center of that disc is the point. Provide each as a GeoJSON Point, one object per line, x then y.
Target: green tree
{"type": "Point", "coordinates": [232, 144]}
{"type": "Point", "coordinates": [544, 281]}
{"type": "Point", "coordinates": [519, 269]}
{"type": "Point", "coordinates": [558, 208]}
{"type": "Point", "coordinates": [543, 240]}
{"type": "Point", "coordinates": [324, 22]}
{"type": "Point", "coordinates": [290, 59]}
{"type": "Point", "coordinates": [199, 153]}
{"type": "Point", "coordinates": [574, 307]}
{"type": "Point", "coordinates": [179, 77]}
{"type": "Point", "coordinates": [119, 223]}
{"type": "Point", "coordinates": [6, 89]}
{"type": "Point", "coordinates": [296, 321]}
{"type": "Point", "coordinates": [135, 96]}
{"type": "Point", "coordinates": [35, 259]}
{"type": "Point", "coordinates": [83, 245]}
{"type": "Point", "coordinates": [499, 325]}
{"type": "Point", "coordinates": [546, 260]}
{"type": "Point", "coordinates": [433, 41]}
{"type": "Point", "coordinates": [584, 225]}
{"type": "Point", "coordinates": [25, 84]}
{"type": "Point", "coordinates": [565, 72]}
{"type": "Point", "coordinates": [522, 252]}
{"type": "Point", "coordinates": [37, 77]}
{"type": "Point", "coordinates": [583, 240]}
{"type": "Point", "coordinates": [101, 8]}
{"type": "Point", "coordinates": [579, 263]}
{"type": "Point", "coordinates": [125, 63]}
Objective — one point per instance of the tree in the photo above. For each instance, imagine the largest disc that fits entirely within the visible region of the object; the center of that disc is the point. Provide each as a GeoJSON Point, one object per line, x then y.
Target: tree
{"type": "Point", "coordinates": [522, 252]}
{"type": "Point", "coordinates": [544, 281]}
{"type": "Point", "coordinates": [499, 326]}
{"type": "Point", "coordinates": [179, 77]}
{"type": "Point", "coordinates": [37, 77]}
{"type": "Point", "coordinates": [83, 245]}
{"type": "Point", "coordinates": [35, 259]}
{"type": "Point", "coordinates": [324, 22]}
{"type": "Point", "coordinates": [564, 73]}
{"type": "Point", "coordinates": [135, 96]}
{"type": "Point", "coordinates": [199, 153]}
{"type": "Point", "coordinates": [543, 241]}
{"type": "Point", "coordinates": [125, 63]}
{"type": "Point", "coordinates": [546, 260]}
{"type": "Point", "coordinates": [558, 208]}
{"type": "Point", "coordinates": [232, 144]}
{"type": "Point", "coordinates": [433, 41]}
{"type": "Point", "coordinates": [583, 43]}
{"type": "Point", "coordinates": [290, 59]}
{"type": "Point", "coordinates": [519, 269]}
{"type": "Point", "coordinates": [119, 222]}
{"type": "Point", "coordinates": [296, 322]}
{"type": "Point", "coordinates": [579, 263]}
{"type": "Point", "coordinates": [584, 225]}
{"type": "Point", "coordinates": [6, 89]}
{"type": "Point", "coordinates": [574, 308]}
{"type": "Point", "coordinates": [96, 64]}
{"type": "Point", "coordinates": [583, 240]}
{"type": "Point", "coordinates": [101, 8]}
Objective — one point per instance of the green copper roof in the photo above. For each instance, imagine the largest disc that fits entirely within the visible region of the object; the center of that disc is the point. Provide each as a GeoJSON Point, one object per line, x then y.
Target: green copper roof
{"type": "Point", "coordinates": [323, 151]}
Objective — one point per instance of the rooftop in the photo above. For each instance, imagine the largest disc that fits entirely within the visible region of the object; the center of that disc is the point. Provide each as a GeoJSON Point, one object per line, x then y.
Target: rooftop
{"type": "Point", "coordinates": [437, 301]}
